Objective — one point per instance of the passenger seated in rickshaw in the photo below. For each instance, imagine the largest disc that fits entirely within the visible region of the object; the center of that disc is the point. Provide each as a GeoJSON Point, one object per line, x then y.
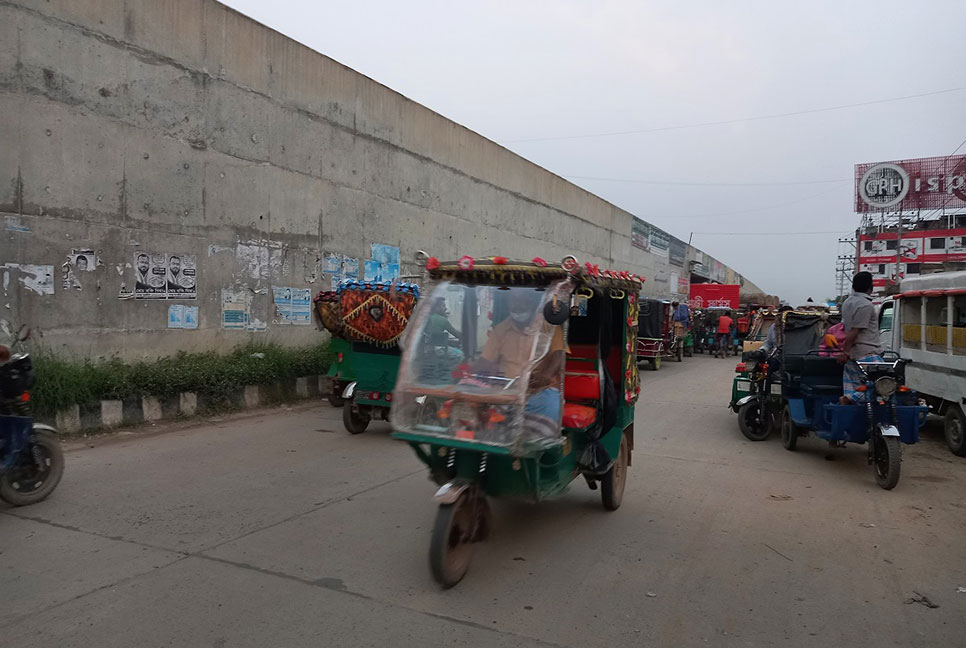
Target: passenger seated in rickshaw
{"type": "Point", "coordinates": [440, 329]}
{"type": "Point", "coordinates": [507, 352]}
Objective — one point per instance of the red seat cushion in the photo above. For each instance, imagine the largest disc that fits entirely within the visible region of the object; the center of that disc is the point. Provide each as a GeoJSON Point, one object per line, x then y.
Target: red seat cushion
{"type": "Point", "coordinates": [581, 386]}
{"type": "Point", "coordinates": [578, 416]}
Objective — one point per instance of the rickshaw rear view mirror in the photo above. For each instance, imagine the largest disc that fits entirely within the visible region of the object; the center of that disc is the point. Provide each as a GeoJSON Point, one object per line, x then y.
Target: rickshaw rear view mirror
{"type": "Point", "coordinates": [556, 311]}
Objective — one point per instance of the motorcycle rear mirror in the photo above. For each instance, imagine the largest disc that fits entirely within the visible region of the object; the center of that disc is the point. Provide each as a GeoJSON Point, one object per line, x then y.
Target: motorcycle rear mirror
{"type": "Point", "coordinates": [556, 311]}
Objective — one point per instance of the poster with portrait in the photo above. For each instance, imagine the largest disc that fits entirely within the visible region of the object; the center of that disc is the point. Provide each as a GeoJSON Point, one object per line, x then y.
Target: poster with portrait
{"type": "Point", "coordinates": [165, 276]}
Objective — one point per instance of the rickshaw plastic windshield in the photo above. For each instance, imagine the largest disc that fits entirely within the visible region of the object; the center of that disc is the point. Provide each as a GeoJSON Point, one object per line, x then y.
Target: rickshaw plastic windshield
{"type": "Point", "coordinates": [482, 364]}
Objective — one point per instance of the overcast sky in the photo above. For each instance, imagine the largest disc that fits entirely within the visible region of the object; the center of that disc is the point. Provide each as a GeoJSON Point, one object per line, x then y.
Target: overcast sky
{"type": "Point", "coordinates": [522, 70]}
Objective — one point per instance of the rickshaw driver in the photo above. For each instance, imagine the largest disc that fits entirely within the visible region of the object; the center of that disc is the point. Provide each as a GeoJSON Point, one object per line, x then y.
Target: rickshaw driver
{"type": "Point", "coordinates": [862, 342]}
{"type": "Point", "coordinates": [508, 350]}
{"type": "Point", "coordinates": [681, 319]}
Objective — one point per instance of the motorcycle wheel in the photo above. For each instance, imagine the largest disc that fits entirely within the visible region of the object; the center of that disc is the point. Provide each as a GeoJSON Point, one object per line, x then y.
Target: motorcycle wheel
{"type": "Point", "coordinates": [354, 421]}
{"type": "Point", "coordinates": [751, 424]}
{"type": "Point", "coordinates": [451, 546]}
{"type": "Point", "coordinates": [955, 430]}
{"type": "Point", "coordinates": [887, 462]}
{"type": "Point", "coordinates": [613, 482]}
{"type": "Point", "coordinates": [37, 472]}
{"type": "Point", "coordinates": [789, 430]}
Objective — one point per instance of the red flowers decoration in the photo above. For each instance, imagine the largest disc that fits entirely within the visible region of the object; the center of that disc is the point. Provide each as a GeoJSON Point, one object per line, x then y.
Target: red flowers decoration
{"type": "Point", "coordinates": [540, 262]}
{"type": "Point", "coordinates": [432, 263]}
{"type": "Point", "coordinates": [465, 263]}
{"type": "Point", "coordinates": [499, 260]}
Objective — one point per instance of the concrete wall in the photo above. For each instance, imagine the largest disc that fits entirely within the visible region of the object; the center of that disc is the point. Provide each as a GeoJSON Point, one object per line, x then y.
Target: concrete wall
{"type": "Point", "coordinates": [182, 127]}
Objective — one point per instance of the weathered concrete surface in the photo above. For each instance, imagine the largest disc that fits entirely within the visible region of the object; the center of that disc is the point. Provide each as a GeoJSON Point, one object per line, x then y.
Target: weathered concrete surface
{"type": "Point", "coordinates": [183, 127]}
{"type": "Point", "coordinates": [282, 529]}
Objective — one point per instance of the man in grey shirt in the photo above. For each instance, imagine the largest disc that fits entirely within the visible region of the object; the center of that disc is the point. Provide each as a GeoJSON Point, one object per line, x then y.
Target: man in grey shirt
{"type": "Point", "coordinates": [861, 337]}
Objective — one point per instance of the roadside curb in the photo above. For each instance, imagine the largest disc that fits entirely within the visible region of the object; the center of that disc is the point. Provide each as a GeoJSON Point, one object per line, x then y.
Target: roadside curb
{"type": "Point", "coordinates": [110, 414]}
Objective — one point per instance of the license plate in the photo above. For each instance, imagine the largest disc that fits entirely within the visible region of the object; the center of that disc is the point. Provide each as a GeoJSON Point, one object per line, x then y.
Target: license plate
{"type": "Point", "coordinates": [776, 390]}
{"type": "Point", "coordinates": [889, 430]}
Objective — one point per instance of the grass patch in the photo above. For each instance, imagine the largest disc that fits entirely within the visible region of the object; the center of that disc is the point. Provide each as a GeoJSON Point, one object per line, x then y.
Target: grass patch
{"type": "Point", "coordinates": [62, 382]}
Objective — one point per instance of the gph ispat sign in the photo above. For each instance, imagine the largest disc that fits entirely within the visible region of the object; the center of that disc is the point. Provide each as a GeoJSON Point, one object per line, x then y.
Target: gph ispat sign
{"type": "Point", "coordinates": [910, 185]}
{"type": "Point", "coordinates": [708, 295]}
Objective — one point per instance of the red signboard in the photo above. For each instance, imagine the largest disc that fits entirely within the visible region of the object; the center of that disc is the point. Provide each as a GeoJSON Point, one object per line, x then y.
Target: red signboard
{"type": "Point", "coordinates": [707, 295]}
{"type": "Point", "coordinates": [911, 185]}
{"type": "Point", "coordinates": [878, 253]}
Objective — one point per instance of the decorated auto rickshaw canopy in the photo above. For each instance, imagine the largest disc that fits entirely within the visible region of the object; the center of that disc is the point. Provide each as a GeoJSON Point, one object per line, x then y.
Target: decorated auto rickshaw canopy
{"type": "Point", "coordinates": [501, 271]}
{"type": "Point", "coordinates": [537, 272]}
{"type": "Point", "coordinates": [375, 312]}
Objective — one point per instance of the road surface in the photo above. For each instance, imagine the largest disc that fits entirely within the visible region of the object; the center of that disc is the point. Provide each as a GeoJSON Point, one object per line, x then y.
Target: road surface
{"type": "Point", "coordinates": [280, 529]}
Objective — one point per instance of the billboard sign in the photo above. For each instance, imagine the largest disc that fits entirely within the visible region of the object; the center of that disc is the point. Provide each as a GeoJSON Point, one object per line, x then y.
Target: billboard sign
{"type": "Point", "coordinates": [640, 235]}
{"type": "Point", "coordinates": [660, 242]}
{"type": "Point", "coordinates": [878, 252]}
{"type": "Point", "coordinates": [676, 252]}
{"type": "Point", "coordinates": [911, 185]}
{"type": "Point", "coordinates": [714, 295]}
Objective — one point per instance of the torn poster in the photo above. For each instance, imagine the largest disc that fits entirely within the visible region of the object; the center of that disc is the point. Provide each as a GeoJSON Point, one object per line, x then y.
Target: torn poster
{"type": "Point", "coordinates": [350, 267]}
{"type": "Point", "coordinates": [253, 260]}
{"type": "Point", "coordinates": [82, 260]}
{"type": "Point", "coordinates": [163, 276]}
{"type": "Point", "coordinates": [332, 264]}
{"type": "Point", "coordinates": [182, 317]}
{"type": "Point", "coordinates": [384, 254]}
{"type": "Point", "coordinates": [376, 271]}
{"type": "Point", "coordinates": [35, 278]}
{"type": "Point", "coordinates": [236, 311]}
{"type": "Point", "coordinates": [293, 305]}
{"type": "Point", "coordinates": [14, 224]}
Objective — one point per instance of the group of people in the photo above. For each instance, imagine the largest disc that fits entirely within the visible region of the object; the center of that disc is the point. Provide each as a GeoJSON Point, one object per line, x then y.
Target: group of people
{"type": "Point", "coordinates": [724, 327]}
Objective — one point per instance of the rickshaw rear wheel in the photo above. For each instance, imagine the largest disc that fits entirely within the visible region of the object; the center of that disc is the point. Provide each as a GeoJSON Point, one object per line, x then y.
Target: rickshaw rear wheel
{"type": "Point", "coordinates": [451, 546]}
{"type": "Point", "coordinates": [355, 422]}
{"type": "Point", "coordinates": [789, 430]}
{"type": "Point", "coordinates": [335, 400]}
{"type": "Point", "coordinates": [613, 482]}
{"type": "Point", "coordinates": [679, 355]}
{"type": "Point", "coordinates": [754, 425]}
{"type": "Point", "coordinates": [887, 462]}
{"type": "Point", "coordinates": [955, 430]}
{"type": "Point", "coordinates": [655, 363]}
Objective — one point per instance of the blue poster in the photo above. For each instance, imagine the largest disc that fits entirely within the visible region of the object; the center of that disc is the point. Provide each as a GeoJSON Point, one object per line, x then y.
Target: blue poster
{"type": "Point", "coordinates": [373, 271]}
{"type": "Point", "coordinates": [385, 254]}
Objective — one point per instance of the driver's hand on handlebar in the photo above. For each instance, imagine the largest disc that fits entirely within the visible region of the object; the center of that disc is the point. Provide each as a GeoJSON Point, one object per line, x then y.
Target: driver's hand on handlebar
{"type": "Point", "coordinates": [842, 357]}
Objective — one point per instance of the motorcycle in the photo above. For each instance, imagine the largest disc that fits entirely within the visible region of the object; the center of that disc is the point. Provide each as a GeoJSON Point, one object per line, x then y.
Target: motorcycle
{"type": "Point", "coordinates": [31, 459]}
{"type": "Point", "coordinates": [759, 409]}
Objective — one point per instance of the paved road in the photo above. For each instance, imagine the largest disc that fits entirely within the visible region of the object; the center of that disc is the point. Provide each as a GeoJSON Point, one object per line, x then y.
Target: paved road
{"type": "Point", "coordinates": [279, 529]}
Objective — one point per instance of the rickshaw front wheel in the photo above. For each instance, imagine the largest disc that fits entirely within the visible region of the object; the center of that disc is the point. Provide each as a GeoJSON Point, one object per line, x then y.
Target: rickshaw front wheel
{"type": "Point", "coordinates": [451, 547]}
{"type": "Point", "coordinates": [887, 462]}
{"type": "Point", "coordinates": [613, 481]}
{"type": "Point", "coordinates": [755, 425]}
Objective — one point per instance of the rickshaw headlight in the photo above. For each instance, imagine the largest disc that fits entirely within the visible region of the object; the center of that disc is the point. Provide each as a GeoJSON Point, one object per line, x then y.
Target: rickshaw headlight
{"type": "Point", "coordinates": [885, 386]}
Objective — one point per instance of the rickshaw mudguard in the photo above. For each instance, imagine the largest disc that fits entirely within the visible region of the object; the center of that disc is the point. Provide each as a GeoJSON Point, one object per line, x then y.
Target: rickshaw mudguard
{"type": "Point", "coordinates": [796, 407]}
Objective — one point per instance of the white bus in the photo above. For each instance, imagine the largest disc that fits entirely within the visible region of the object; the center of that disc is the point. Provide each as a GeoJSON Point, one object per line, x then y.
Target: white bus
{"type": "Point", "coordinates": [926, 323]}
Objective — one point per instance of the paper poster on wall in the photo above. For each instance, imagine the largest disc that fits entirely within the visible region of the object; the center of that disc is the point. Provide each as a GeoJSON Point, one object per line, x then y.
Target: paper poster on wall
{"type": "Point", "coordinates": [163, 276]}
{"type": "Point", "coordinates": [253, 260]}
{"type": "Point", "coordinates": [673, 282]}
{"type": "Point", "coordinates": [350, 267]}
{"type": "Point", "coordinates": [373, 270]}
{"type": "Point", "coordinates": [292, 305]}
{"type": "Point", "coordinates": [336, 280]}
{"type": "Point", "coordinates": [35, 278]}
{"type": "Point", "coordinates": [182, 317]}
{"type": "Point", "coordinates": [332, 264]}
{"type": "Point", "coordinates": [236, 312]}
{"type": "Point", "coordinates": [384, 254]}
{"type": "Point", "coordinates": [82, 260]}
